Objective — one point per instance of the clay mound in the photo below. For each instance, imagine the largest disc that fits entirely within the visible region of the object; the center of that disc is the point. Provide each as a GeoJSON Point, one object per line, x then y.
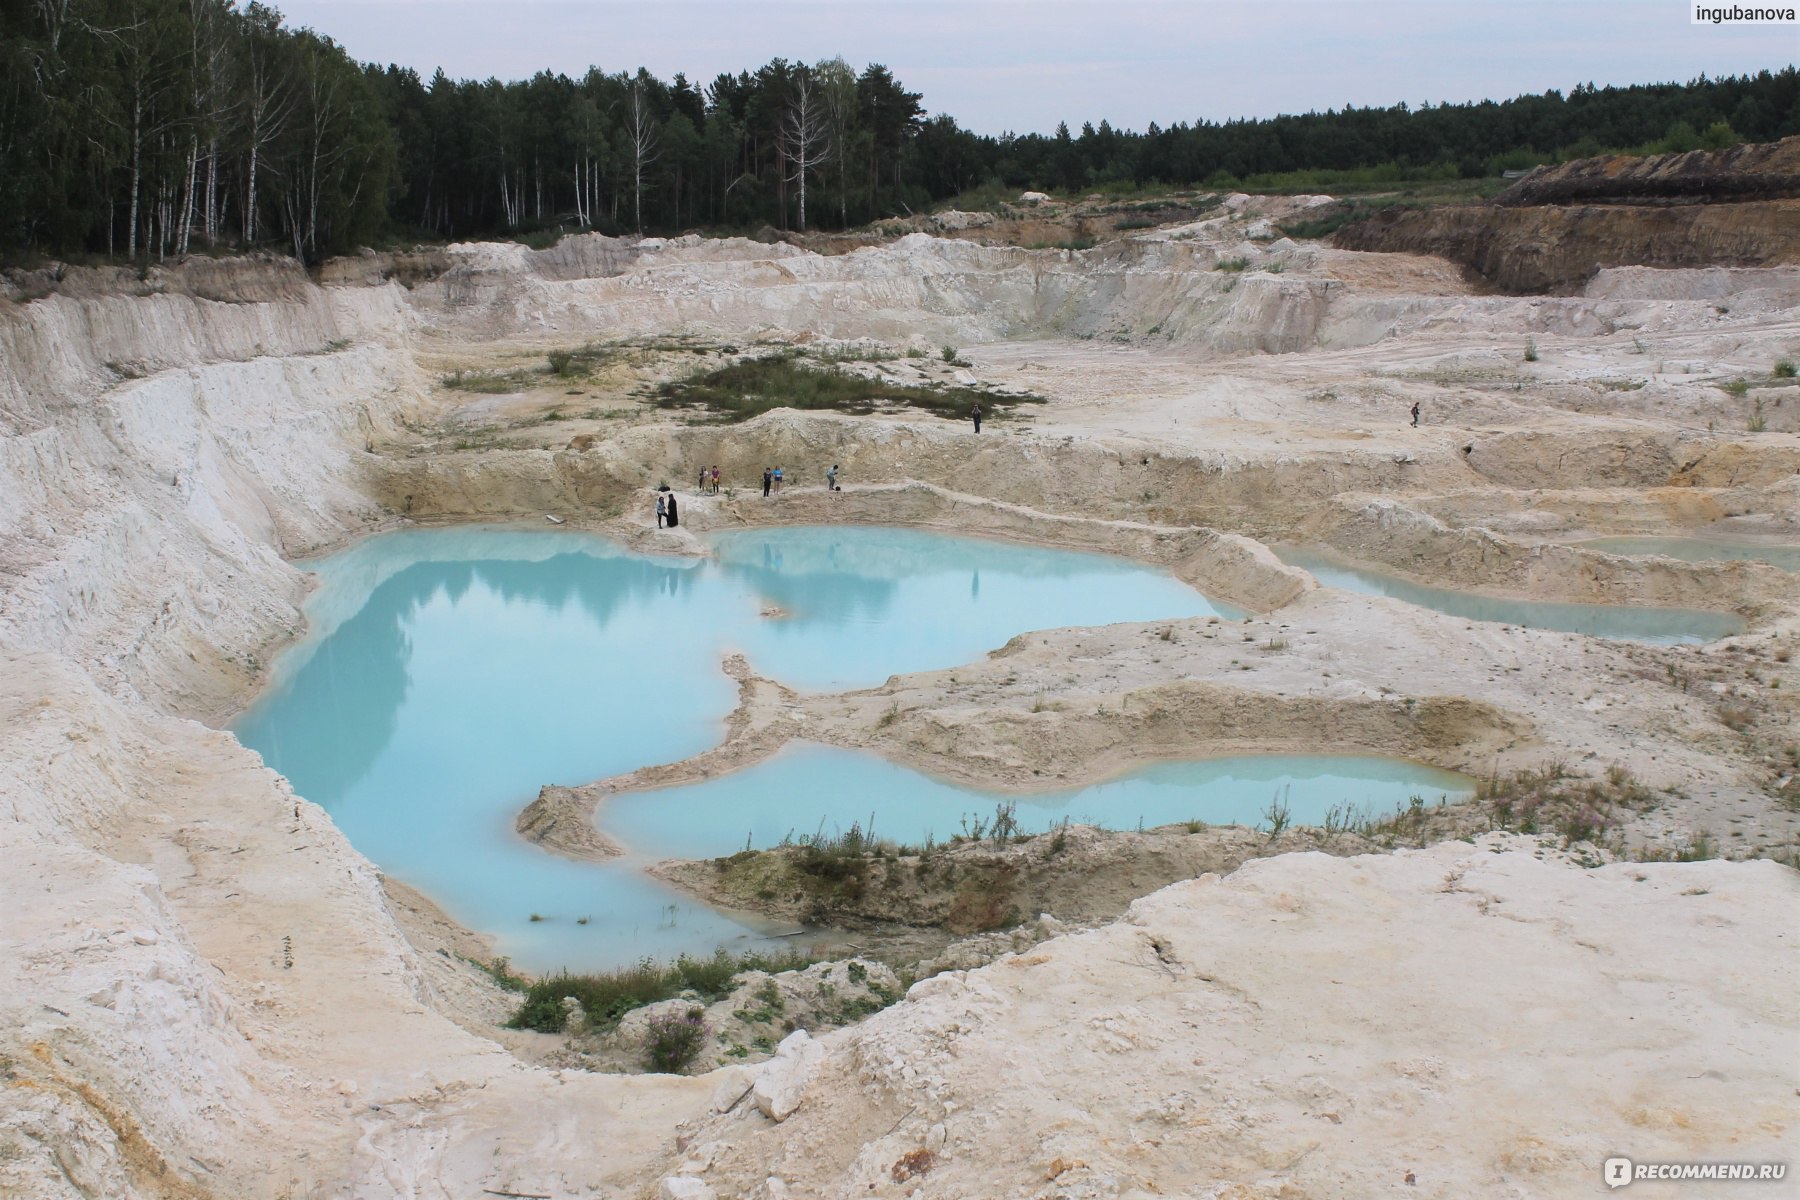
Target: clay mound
{"type": "Point", "coordinates": [1763, 171]}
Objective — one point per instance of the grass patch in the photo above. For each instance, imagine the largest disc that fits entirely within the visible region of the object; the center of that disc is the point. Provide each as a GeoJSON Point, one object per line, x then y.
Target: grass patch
{"type": "Point", "coordinates": [575, 363]}
{"type": "Point", "coordinates": [581, 360]}
{"type": "Point", "coordinates": [747, 389]}
{"type": "Point", "coordinates": [855, 353]}
{"type": "Point", "coordinates": [489, 383]}
{"type": "Point", "coordinates": [607, 996]}
{"type": "Point", "coordinates": [501, 972]}
{"type": "Point", "coordinates": [1231, 265]}
{"type": "Point", "coordinates": [1784, 369]}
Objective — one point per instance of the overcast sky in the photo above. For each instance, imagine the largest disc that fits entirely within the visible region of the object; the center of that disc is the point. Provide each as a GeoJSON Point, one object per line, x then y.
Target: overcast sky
{"type": "Point", "coordinates": [1024, 65]}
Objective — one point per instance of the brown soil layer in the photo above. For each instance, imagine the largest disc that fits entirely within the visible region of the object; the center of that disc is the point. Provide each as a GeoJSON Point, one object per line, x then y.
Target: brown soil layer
{"type": "Point", "coordinates": [1527, 251]}
{"type": "Point", "coordinates": [1554, 228]}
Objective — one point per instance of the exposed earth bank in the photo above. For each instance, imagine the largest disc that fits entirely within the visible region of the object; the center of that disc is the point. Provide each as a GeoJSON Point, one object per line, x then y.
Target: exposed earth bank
{"type": "Point", "coordinates": [1553, 229]}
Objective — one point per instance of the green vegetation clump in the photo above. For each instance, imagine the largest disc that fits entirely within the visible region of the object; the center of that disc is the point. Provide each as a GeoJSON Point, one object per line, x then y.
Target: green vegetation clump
{"type": "Point", "coordinates": [1231, 265]}
{"type": "Point", "coordinates": [1330, 219]}
{"type": "Point", "coordinates": [609, 995]}
{"type": "Point", "coordinates": [501, 972]}
{"type": "Point", "coordinates": [747, 389]}
{"type": "Point", "coordinates": [1784, 369]}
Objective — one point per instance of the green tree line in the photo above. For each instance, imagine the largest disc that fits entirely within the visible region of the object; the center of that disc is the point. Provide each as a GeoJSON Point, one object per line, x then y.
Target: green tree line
{"type": "Point", "coordinates": [151, 128]}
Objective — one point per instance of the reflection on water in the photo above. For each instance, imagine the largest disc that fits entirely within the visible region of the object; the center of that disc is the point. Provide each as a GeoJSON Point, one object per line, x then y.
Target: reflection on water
{"type": "Point", "coordinates": [1663, 626]}
{"type": "Point", "coordinates": [809, 789]}
{"type": "Point", "coordinates": [450, 673]}
{"type": "Point", "coordinates": [1694, 549]}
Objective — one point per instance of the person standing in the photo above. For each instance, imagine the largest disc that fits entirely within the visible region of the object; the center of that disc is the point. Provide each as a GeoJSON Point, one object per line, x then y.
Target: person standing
{"type": "Point", "coordinates": [975, 415]}
{"type": "Point", "coordinates": [700, 484]}
{"type": "Point", "coordinates": [778, 477]}
{"type": "Point", "coordinates": [715, 478]}
{"type": "Point", "coordinates": [674, 513]}
{"type": "Point", "coordinates": [831, 479]}
{"type": "Point", "coordinates": [661, 510]}
{"type": "Point", "coordinates": [768, 478]}
{"type": "Point", "coordinates": [1415, 414]}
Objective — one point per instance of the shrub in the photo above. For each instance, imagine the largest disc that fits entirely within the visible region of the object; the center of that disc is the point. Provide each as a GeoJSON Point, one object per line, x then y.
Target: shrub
{"type": "Point", "coordinates": [561, 361]}
{"type": "Point", "coordinates": [1784, 369]}
{"type": "Point", "coordinates": [673, 1040]}
{"type": "Point", "coordinates": [1277, 815]}
{"type": "Point", "coordinates": [947, 353]}
{"type": "Point", "coordinates": [747, 389]}
{"type": "Point", "coordinates": [1531, 351]}
{"type": "Point", "coordinates": [1231, 265]}
{"type": "Point", "coordinates": [609, 995]}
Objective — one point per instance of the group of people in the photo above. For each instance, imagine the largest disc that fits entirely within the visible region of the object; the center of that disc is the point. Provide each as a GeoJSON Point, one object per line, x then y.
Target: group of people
{"type": "Point", "coordinates": [668, 512]}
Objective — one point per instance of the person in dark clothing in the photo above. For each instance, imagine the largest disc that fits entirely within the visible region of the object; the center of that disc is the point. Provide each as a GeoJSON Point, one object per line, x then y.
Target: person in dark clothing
{"type": "Point", "coordinates": [768, 479]}
{"type": "Point", "coordinates": [1415, 414]}
{"type": "Point", "coordinates": [674, 513]}
{"type": "Point", "coordinates": [700, 487]}
{"type": "Point", "coordinates": [975, 415]}
{"type": "Point", "coordinates": [662, 510]}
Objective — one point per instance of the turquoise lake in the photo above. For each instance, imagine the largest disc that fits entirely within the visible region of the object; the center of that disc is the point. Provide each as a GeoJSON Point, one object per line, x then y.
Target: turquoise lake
{"type": "Point", "coordinates": [1660, 626]}
{"type": "Point", "coordinates": [447, 674]}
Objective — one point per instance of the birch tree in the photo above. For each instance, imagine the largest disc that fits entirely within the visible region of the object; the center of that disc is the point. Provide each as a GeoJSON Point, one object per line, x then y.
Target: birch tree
{"type": "Point", "coordinates": [804, 135]}
{"type": "Point", "coordinates": [837, 90]}
{"type": "Point", "coordinates": [640, 141]}
{"type": "Point", "coordinates": [268, 98]}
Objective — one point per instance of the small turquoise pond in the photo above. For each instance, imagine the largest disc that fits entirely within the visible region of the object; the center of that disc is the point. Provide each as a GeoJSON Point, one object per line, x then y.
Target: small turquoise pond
{"type": "Point", "coordinates": [808, 789]}
{"type": "Point", "coordinates": [447, 674]}
{"type": "Point", "coordinates": [1695, 549]}
{"type": "Point", "coordinates": [1661, 626]}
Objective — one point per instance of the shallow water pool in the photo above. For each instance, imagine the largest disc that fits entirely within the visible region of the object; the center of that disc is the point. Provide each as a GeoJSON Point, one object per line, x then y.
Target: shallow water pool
{"type": "Point", "coordinates": [447, 674]}
{"type": "Point", "coordinates": [1696, 549]}
{"type": "Point", "coordinates": [1661, 626]}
